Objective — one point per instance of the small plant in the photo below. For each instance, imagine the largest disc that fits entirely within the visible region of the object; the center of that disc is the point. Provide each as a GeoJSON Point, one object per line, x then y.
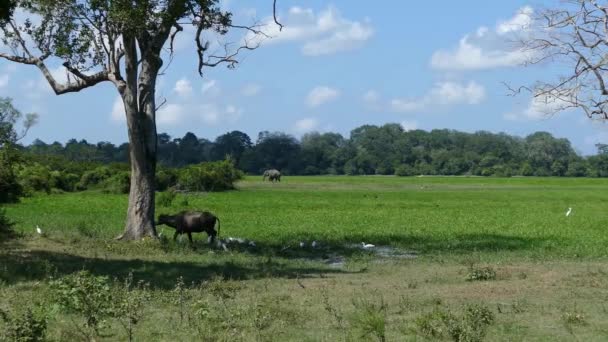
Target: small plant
{"type": "Point", "coordinates": [335, 313]}
{"type": "Point", "coordinates": [431, 324]}
{"type": "Point", "coordinates": [179, 297]}
{"type": "Point", "coordinates": [371, 317]}
{"type": "Point", "coordinates": [481, 274]}
{"type": "Point", "coordinates": [26, 327]}
{"type": "Point", "coordinates": [470, 326]}
{"type": "Point", "coordinates": [129, 307]}
{"type": "Point", "coordinates": [87, 295]}
{"type": "Point", "coordinates": [574, 318]}
{"type": "Point", "coordinates": [165, 199]}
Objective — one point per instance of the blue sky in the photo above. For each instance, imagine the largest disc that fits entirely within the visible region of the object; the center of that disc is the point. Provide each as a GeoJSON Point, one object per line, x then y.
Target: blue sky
{"type": "Point", "coordinates": [335, 66]}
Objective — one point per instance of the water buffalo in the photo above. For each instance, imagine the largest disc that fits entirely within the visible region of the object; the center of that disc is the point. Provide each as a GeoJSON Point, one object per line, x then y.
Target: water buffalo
{"type": "Point", "coordinates": [192, 222]}
{"type": "Point", "coordinates": [272, 174]}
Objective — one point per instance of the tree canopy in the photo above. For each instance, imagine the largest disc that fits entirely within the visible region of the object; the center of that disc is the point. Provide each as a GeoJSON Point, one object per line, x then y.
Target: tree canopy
{"type": "Point", "coordinates": [370, 149]}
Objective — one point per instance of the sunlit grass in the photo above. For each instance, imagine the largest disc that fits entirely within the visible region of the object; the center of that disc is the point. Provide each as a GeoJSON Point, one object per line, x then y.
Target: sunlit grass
{"type": "Point", "coordinates": [430, 215]}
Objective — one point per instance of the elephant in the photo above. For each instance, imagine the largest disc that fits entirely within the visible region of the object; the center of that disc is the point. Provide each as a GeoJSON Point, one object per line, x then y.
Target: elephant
{"type": "Point", "coordinates": [192, 222]}
{"type": "Point", "coordinates": [272, 174]}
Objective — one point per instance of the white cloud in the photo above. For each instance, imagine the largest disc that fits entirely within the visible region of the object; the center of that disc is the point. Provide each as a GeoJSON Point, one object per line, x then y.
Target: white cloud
{"type": "Point", "coordinates": [442, 93]}
{"type": "Point", "coordinates": [323, 33]}
{"type": "Point", "coordinates": [521, 21]}
{"type": "Point", "coordinates": [320, 95]}
{"type": "Point", "coordinates": [212, 114]}
{"type": "Point", "coordinates": [306, 125]}
{"type": "Point", "coordinates": [450, 92]}
{"type": "Point", "coordinates": [485, 48]}
{"type": "Point", "coordinates": [4, 80]}
{"type": "Point", "coordinates": [251, 89]}
{"type": "Point", "coordinates": [118, 111]}
{"type": "Point", "coordinates": [409, 125]}
{"type": "Point", "coordinates": [183, 87]}
{"type": "Point", "coordinates": [539, 108]}
{"type": "Point", "coordinates": [210, 88]}
{"type": "Point", "coordinates": [407, 105]}
{"type": "Point", "coordinates": [371, 97]}
{"type": "Point", "coordinates": [170, 114]}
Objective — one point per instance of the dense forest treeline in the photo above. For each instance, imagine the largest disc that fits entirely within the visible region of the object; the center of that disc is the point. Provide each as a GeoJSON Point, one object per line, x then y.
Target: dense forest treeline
{"type": "Point", "coordinates": [385, 150]}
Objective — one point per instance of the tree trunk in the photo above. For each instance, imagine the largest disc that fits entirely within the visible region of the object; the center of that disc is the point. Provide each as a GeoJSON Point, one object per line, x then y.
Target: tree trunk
{"type": "Point", "coordinates": [142, 152]}
{"type": "Point", "coordinates": [138, 98]}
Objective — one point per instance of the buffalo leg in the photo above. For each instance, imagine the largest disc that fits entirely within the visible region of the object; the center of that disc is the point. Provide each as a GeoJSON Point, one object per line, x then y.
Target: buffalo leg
{"type": "Point", "coordinates": [175, 235]}
{"type": "Point", "coordinates": [190, 237]}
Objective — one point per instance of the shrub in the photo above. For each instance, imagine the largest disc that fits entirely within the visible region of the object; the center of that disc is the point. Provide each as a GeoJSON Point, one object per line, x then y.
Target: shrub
{"type": "Point", "coordinates": [165, 199]}
{"type": "Point", "coordinates": [371, 318]}
{"type": "Point", "coordinates": [6, 226]}
{"type": "Point", "coordinates": [27, 326]}
{"type": "Point", "coordinates": [34, 177]}
{"type": "Point", "coordinates": [470, 326]}
{"type": "Point", "coordinates": [64, 181]}
{"type": "Point", "coordinates": [10, 189]}
{"type": "Point", "coordinates": [87, 295]}
{"type": "Point", "coordinates": [166, 178]}
{"type": "Point", "coordinates": [404, 170]}
{"type": "Point", "coordinates": [118, 183]}
{"type": "Point", "coordinates": [211, 176]}
{"type": "Point", "coordinates": [94, 177]}
{"type": "Point", "coordinates": [484, 273]}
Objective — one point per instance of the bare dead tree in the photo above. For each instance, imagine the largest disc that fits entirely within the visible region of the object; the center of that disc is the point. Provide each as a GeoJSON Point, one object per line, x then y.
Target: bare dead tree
{"type": "Point", "coordinates": [573, 37]}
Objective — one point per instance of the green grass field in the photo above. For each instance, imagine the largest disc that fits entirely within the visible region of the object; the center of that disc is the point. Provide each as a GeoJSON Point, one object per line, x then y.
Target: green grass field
{"type": "Point", "coordinates": [551, 271]}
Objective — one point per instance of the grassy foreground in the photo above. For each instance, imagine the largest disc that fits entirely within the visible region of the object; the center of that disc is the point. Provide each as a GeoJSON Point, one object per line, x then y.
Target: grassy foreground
{"type": "Point", "coordinates": [541, 275]}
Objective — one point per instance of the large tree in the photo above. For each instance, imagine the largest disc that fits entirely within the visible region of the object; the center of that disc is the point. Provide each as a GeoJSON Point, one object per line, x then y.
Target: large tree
{"type": "Point", "coordinates": [572, 36]}
{"type": "Point", "coordinates": [122, 42]}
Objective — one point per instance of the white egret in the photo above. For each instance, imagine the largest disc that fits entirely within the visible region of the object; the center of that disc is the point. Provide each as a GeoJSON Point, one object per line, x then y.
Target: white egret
{"type": "Point", "coordinates": [314, 244]}
{"type": "Point", "coordinates": [38, 230]}
{"type": "Point", "coordinates": [302, 244]}
{"type": "Point", "coordinates": [569, 211]}
{"type": "Point", "coordinates": [367, 245]}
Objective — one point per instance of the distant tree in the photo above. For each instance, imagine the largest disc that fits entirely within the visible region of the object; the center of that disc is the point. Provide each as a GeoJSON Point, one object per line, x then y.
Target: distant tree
{"type": "Point", "coordinates": [602, 148]}
{"type": "Point", "coordinates": [319, 152]}
{"type": "Point", "coordinates": [232, 144]}
{"type": "Point", "coordinates": [123, 43]}
{"type": "Point", "coordinates": [276, 150]}
{"type": "Point", "coordinates": [9, 135]}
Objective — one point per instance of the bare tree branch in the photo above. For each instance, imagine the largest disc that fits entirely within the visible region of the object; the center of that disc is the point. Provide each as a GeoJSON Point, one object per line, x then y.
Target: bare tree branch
{"type": "Point", "coordinates": [575, 34]}
{"type": "Point", "coordinates": [274, 15]}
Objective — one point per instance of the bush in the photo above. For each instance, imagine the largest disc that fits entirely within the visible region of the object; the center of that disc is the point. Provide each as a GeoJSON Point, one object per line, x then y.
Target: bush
{"type": "Point", "coordinates": [165, 199]}
{"type": "Point", "coordinates": [211, 176]}
{"type": "Point", "coordinates": [482, 274]}
{"type": "Point", "coordinates": [404, 170]}
{"type": "Point", "coordinates": [27, 326]}
{"type": "Point", "coordinates": [6, 226]}
{"type": "Point", "coordinates": [166, 178]}
{"type": "Point", "coordinates": [94, 177]}
{"type": "Point", "coordinates": [10, 189]}
{"type": "Point", "coordinates": [118, 183]}
{"type": "Point", "coordinates": [35, 177]}
{"type": "Point", "coordinates": [87, 295]}
{"type": "Point", "coordinates": [470, 326]}
{"type": "Point", "coordinates": [64, 181]}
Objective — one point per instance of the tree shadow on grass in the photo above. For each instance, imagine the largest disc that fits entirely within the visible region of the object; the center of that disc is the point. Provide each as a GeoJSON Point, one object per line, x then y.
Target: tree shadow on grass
{"type": "Point", "coordinates": [267, 260]}
{"type": "Point", "coordinates": [39, 265]}
{"type": "Point", "coordinates": [401, 245]}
